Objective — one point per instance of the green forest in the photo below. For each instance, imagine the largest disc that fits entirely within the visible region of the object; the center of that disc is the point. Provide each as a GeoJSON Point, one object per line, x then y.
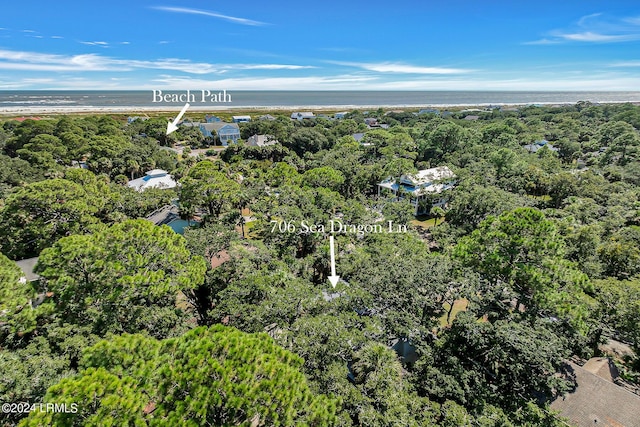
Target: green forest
{"type": "Point", "coordinates": [464, 316]}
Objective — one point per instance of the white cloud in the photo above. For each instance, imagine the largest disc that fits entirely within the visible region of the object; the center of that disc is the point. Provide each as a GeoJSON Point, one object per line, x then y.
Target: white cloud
{"type": "Point", "coordinates": [34, 61]}
{"type": "Point", "coordinates": [595, 28]}
{"type": "Point", "coordinates": [236, 20]}
{"type": "Point", "coordinates": [101, 44]}
{"type": "Point", "coordinates": [600, 83]}
{"type": "Point", "coordinates": [626, 64]}
{"type": "Point", "coordinates": [635, 20]}
{"type": "Point", "coordinates": [400, 68]}
{"type": "Point", "coordinates": [270, 67]}
{"type": "Point", "coordinates": [589, 36]}
{"type": "Point", "coordinates": [24, 83]}
{"type": "Point", "coordinates": [584, 20]}
{"type": "Point", "coordinates": [543, 42]}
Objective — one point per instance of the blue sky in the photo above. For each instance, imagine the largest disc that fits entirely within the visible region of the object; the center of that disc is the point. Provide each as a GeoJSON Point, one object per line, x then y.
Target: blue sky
{"type": "Point", "coordinates": [321, 45]}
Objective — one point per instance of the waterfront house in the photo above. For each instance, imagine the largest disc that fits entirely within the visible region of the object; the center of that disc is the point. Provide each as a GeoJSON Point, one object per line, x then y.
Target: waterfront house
{"type": "Point", "coordinates": [340, 115]}
{"type": "Point", "coordinates": [302, 115]}
{"type": "Point", "coordinates": [224, 131]}
{"type": "Point", "coordinates": [156, 178]}
{"type": "Point", "coordinates": [266, 117]}
{"type": "Point", "coordinates": [424, 188]}
{"type": "Point", "coordinates": [211, 118]}
{"type": "Point", "coordinates": [240, 119]}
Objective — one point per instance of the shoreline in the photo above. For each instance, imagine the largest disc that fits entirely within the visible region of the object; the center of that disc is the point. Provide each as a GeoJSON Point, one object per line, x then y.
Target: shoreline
{"type": "Point", "coordinates": [172, 109]}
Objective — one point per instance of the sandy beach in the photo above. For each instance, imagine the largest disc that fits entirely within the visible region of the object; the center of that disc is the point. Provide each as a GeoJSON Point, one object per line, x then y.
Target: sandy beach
{"type": "Point", "coordinates": [24, 111]}
{"type": "Point", "coordinates": [61, 110]}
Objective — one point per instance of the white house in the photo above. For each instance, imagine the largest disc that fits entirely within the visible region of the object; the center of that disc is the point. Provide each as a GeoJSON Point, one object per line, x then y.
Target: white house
{"type": "Point", "coordinates": [156, 178]}
{"type": "Point", "coordinates": [226, 132]}
{"type": "Point", "coordinates": [261, 140]}
{"type": "Point", "coordinates": [240, 119]}
{"type": "Point", "coordinates": [420, 187]}
{"type": "Point", "coordinates": [302, 115]}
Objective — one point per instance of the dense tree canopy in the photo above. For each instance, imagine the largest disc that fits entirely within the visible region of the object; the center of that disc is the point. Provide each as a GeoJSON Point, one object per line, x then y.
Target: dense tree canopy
{"type": "Point", "coordinates": [463, 316]}
{"type": "Point", "coordinates": [123, 278]}
{"type": "Point", "coordinates": [216, 376]}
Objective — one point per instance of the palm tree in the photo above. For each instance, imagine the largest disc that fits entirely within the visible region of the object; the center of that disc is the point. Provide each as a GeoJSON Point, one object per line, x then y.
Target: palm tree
{"type": "Point", "coordinates": [437, 212]}
{"type": "Point", "coordinates": [242, 198]}
{"type": "Point", "coordinates": [375, 363]}
{"type": "Point", "coordinates": [133, 167]}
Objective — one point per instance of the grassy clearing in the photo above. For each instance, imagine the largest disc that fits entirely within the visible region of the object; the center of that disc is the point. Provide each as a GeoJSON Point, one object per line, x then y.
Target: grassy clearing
{"type": "Point", "coordinates": [426, 222]}
{"type": "Point", "coordinates": [458, 306]}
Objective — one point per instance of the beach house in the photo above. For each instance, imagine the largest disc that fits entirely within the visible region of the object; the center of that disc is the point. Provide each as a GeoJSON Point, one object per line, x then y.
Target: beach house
{"type": "Point", "coordinates": [224, 131]}
{"type": "Point", "coordinates": [261, 140]}
{"type": "Point", "coordinates": [424, 189]}
{"type": "Point", "coordinates": [156, 178]}
{"type": "Point", "coordinates": [302, 115]}
{"type": "Point", "coordinates": [212, 119]}
{"type": "Point", "coordinates": [240, 119]}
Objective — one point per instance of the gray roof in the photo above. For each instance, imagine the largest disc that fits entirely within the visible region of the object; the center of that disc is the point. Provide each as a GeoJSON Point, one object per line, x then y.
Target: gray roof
{"type": "Point", "coordinates": [218, 125]}
{"type": "Point", "coordinates": [598, 402]}
{"type": "Point", "coordinates": [261, 140]}
{"type": "Point", "coordinates": [164, 215]}
{"type": "Point", "coordinates": [538, 145]}
{"type": "Point", "coordinates": [27, 266]}
{"type": "Point", "coordinates": [358, 136]}
{"type": "Point", "coordinates": [302, 115]}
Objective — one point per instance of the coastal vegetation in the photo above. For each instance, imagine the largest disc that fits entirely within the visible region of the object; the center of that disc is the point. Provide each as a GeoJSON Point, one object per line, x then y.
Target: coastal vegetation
{"type": "Point", "coordinates": [463, 317]}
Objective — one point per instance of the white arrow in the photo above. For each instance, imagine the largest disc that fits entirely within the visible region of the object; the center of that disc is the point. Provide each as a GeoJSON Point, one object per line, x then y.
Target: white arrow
{"type": "Point", "coordinates": [171, 127]}
{"type": "Point", "coordinates": [333, 278]}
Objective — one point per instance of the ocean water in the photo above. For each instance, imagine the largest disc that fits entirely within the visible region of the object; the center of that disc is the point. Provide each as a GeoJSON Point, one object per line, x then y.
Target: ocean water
{"type": "Point", "coordinates": [12, 100]}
